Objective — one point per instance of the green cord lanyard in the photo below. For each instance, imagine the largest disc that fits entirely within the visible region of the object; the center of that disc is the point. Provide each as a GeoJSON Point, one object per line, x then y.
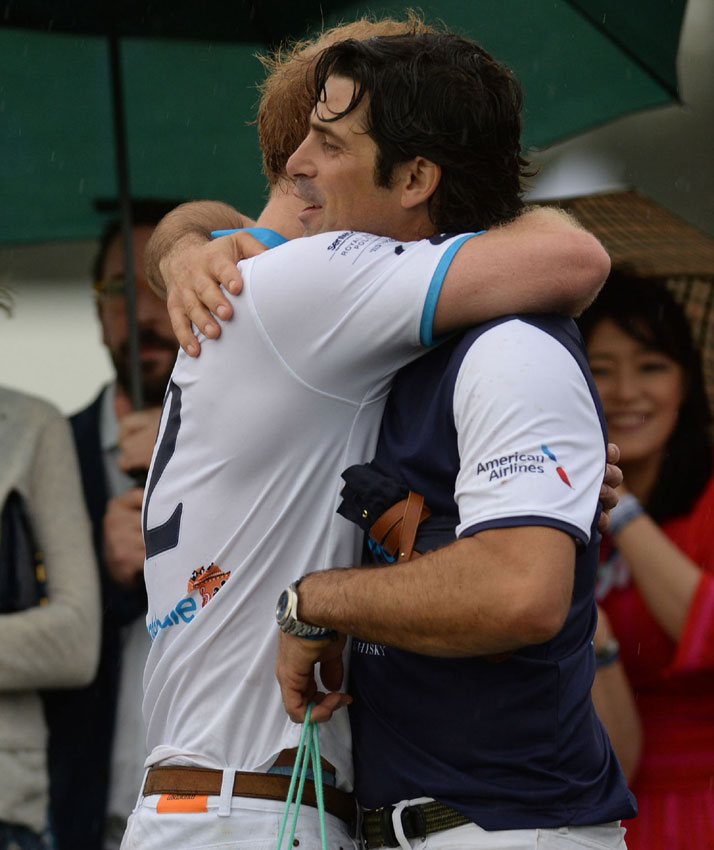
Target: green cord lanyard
{"type": "Point", "coordinates": [308, 751]}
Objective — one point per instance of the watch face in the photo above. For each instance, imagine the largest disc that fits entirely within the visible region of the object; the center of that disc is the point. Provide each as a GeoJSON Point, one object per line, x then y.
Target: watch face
{"type": "Point", "coordinates": [282, 609]}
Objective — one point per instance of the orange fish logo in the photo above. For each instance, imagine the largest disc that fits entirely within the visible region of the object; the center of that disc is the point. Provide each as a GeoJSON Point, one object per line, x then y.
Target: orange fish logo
{"type": "Point", "coordinates": [207, 581]}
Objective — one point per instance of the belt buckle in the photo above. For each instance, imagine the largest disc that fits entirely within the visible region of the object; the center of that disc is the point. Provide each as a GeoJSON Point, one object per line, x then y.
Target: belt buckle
{"type": "Point", "coordinates": [414, 822]}
{"type": "Point", "coordinates": [386, 827]}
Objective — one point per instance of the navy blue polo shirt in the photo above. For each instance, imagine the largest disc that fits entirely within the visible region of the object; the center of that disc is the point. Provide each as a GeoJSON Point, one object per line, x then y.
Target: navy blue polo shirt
{"type": "Point", "coordinates": [513, 744]}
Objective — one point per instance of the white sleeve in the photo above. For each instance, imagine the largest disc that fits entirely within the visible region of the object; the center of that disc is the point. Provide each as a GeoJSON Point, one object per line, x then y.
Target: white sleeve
{"type": "Point", "coordinates": [530, 441]}
{"type": "Point", "coordinates": [344, 310]}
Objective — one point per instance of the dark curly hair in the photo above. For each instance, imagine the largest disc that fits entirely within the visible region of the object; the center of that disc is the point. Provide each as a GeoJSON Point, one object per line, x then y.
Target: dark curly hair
{"type": "Point", "coordinates": [645, 310]}
{"type": "Point", "coordinates": [287, 93]}
{"type": "Point", "coordinates": [442, 97]}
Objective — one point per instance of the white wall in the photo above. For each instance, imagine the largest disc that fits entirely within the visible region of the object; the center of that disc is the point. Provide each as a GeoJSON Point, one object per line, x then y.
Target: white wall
{"type": "Point", "coordinates": [51, 345]}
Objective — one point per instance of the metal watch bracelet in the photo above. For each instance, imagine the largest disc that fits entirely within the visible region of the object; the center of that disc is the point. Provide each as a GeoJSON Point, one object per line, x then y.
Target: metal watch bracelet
{"type": "Point", "coordinates": [286, 616]}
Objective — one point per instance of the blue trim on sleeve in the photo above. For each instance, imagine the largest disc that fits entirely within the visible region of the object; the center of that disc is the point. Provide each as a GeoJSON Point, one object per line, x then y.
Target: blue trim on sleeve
{"type": "Point", "coordinates": [426, 328]}
{"type": "Point", "coordinates": [511, 522]}
{"type": "Point", "coordinates": [268, 237]}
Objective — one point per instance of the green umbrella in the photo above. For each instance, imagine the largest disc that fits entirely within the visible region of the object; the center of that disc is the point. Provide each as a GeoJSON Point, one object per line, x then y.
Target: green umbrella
{"type": "Point", "coordinates": [155, 98]}
{"type": "Point", "coordinates": [581, 62]}
{"type": "Point", "coordinates": [121, 111]}
{"type": "Point", "coordinates": [188, 104]}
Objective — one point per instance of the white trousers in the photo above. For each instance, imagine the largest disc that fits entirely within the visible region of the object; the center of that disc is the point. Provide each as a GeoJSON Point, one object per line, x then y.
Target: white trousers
{"type": "Point", "coordinates": [610, 836]}
{"type": "Point", "coordinates": [255, 825]}
{"type": "Point", "coordinates": [250, 825]}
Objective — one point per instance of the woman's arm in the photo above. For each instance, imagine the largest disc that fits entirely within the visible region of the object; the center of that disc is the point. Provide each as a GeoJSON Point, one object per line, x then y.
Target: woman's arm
{"type": "Point", "coordinates": [664, 575]}
{"type": "Point", "coordinates": [55, 645]}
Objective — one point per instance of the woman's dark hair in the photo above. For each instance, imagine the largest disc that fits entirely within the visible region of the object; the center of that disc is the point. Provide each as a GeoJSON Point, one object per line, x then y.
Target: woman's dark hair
{"type": "Point", "coordinates": [645, 310]}
{"type": "Point", "coordinates": [442, 97]}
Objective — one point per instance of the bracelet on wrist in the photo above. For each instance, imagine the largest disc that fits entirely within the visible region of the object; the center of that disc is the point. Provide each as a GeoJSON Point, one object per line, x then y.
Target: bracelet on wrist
{"type": "Point", "coordinates": [607, 653]}
{"type": "Point", "coordinates": [627, 509]}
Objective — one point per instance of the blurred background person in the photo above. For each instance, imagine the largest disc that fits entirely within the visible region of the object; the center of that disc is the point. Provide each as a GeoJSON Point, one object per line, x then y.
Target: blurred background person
{"type": "Point", "coordinates": [52, 639]}
{"type": "Point", "coordinates": [97, 736]}
{"type": "Point", "coordinates": [655, 638]}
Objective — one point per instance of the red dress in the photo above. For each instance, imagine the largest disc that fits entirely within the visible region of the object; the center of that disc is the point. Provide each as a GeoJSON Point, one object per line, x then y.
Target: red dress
{"type": "Point", "coordinates": [674, 689]}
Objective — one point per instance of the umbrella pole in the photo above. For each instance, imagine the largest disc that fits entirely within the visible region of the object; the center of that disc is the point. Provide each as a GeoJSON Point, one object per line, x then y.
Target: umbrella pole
{"type": "Point", "coordinates": [136, 389]}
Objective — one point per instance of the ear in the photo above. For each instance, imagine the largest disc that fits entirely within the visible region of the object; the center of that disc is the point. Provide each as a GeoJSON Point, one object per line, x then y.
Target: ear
{"type": "Point", "coordinates": [420, 179]}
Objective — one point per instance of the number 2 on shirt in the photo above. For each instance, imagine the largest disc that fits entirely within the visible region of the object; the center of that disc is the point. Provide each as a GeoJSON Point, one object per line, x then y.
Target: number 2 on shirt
{"type": "Point", "coordinates": [163, 537]}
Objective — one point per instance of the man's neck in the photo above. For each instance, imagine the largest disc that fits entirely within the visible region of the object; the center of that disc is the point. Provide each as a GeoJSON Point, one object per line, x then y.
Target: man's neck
{"type": "Point", "coordinates": [280, 213]}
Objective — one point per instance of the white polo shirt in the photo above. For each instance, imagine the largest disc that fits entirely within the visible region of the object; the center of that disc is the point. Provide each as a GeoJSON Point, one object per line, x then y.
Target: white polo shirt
{"type": "Point", "coordinates": [245, 481]}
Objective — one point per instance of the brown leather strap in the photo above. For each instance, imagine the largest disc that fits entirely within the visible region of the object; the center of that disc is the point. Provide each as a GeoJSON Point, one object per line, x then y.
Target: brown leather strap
{"type": "Point", "coordinates": [410, 523]}
{"type": "Point", "coordinates": [387, 522]}
{"type": "Point", "coordinates": [390, 543]}
{"type": "Point", "coordinates": [267, 786]}
{"type": "Point", "coordinates": [395, 530]}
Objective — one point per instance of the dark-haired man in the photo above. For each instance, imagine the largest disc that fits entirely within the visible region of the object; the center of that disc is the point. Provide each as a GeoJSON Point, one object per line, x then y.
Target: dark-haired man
{"type": "Point", "coordinates": [97, 739]}
{"type": "Point", "coordinates": [243, 483]}
{"type": "Point", "coordinates": [501, 431]}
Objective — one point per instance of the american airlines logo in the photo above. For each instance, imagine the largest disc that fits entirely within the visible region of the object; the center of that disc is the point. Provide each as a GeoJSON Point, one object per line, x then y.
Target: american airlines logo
{"type": "Point", "coordinates": [520, 463]}
{"type": "Point", "coordinates": [511, 464]}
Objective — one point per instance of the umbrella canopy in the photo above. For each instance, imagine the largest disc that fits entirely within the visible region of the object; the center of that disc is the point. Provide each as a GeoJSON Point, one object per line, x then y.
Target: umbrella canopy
{"type": "Point", "coordinates": [581, 62]}
{"type": "Point", "coordinates": [652, 242]}
{"type": "Point", "coordinates": [188, 104]}
{"type": "Point", "coordinates": [73, 139]}
{"type": "Point", "coordinates": [87, 87]}
{"type": "Point", "coordinates": [100, 103]}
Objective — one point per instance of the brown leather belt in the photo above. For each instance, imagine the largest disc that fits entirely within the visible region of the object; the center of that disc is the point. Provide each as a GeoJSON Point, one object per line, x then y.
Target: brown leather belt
{"type": "Point", "coordinates": [174, 779]}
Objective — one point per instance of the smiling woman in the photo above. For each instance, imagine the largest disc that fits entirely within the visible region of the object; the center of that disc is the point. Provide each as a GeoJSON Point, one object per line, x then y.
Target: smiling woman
{"type": "Point", "coordinates": [642, 390]}
{"type": "Point", "coordinates": [656, 577]}
{"type": "Point", "coordinates": [649, 375]}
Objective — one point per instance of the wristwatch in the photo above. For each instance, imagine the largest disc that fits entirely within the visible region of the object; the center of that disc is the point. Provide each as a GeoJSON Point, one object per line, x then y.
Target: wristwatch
{"type": "Point", "coordinates": [286, 615]}
{"type": "Point", "coordinates": [608, 653]}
